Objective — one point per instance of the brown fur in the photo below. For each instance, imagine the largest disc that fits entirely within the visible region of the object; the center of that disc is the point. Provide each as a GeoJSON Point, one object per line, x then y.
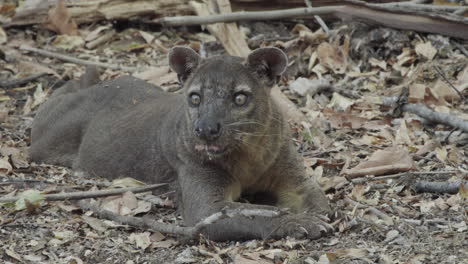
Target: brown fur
{"type": "Point", "coordinates": [213, 154]}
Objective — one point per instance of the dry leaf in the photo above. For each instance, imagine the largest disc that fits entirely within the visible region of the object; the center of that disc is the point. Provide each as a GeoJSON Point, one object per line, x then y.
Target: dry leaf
{"type": "Point", "coordinates": [95, 223]}
{"type": "Point", "coordinates": [5, 166]}
{"type": "Point", "coordinates": [60, 21]}
{"type": "Point", "coordinates": [125, 183]}
{"type": "Point", "coordinates": [333, 57]}
{"type": "Point", "coordinates": [417, 92]}
{"type": "Point", "coordinates": [442, 90]}
{"type": "Point", "coordinates": [426, 49]}
{"type": "Point", "coordinates": [3, 36]}
{"type": "Point", "coordinates": [389, 160]}
{"type": "Point", "coordinates": [402, 136]}
{"type": "Point", "coordinates": [340, 103]}
{"type": "Point", "coordinates": [441, 153]}
{"type": "Point", "coordinates": [158, 76]}
{"type": "Point", "coordinates": [141, 240]}
{"type": "Point", "coordinates": [67, 42]}
{"type": "Point", "coordinates": [16, 156]}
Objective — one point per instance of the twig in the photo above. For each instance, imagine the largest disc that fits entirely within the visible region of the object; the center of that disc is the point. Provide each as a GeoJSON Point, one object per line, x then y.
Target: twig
{"type": "Point", "coordinates": [88, 194]}
{"type": "Point", "coordinates": [318, 18]}
{"type": "Point", "coordinates": [448, 82]}
{"type": "Point", "coordinates": [438, 187]}
{"type": "Point", "coordinates": [418, 6]}
{"type": "Point", "coordinates": [191, 232]}
{"type": "Point", "coordinates": [398, 175]}
{"type": "Point", "coordinates": [460, 47]}
{"type": "Point", "coordinates": [76, 60]}
{"type": "Point", "coordinates": [385, 217]}
{"type": "Point", "coordinates": [21, 81]}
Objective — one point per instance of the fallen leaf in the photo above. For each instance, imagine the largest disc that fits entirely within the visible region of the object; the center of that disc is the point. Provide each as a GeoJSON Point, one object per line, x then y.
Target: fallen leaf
{"type": "Point", "coordinates": [158, 75]}
{"type": "Point", "coordinates": [402, 135]}
{"type": "Point", "coordinates": [164, 244]}
{"type": "Point", "coordinates": [426, 50]}
{"type": "Point", "coordinates": [5, 166]}
{"type": "Point", "coordinates": [442, 90]}
{"type": "Point", "coordinates": [60, 20]}
{"type": "Point", "coordinates": [417, 92]}
{"type": "Point", "coordinates": [389, 160]}
{"type": "Point", "coordinates": [441, 153]}
{"type": "Point", "coordinates": [13, 255]}
{"type": "Point", "coordinates": [33, 197]}
{"type": "Point", "coordinates": [3, 36]}
{"type": "Point", "coordinates": [125, 183]}
{"type": "Point", "coordinates": [95, 223]}
{"type": "Point", "coordinates": [391, 235]}
{"type": "Point", "coordinates": [340, 103]}
{"type": "Point", "coordinates": [17, 158]}
{"type": "Point", "coordinates": [141, 240]}
{"type": "Point", "coordinates": [334, 57]}
{"type": "Point", "coordinates": [67, 42]}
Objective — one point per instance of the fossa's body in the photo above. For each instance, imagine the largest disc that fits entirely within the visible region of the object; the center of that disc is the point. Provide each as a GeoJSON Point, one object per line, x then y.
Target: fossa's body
{"type": "Point", "coordinates": [223, 139]}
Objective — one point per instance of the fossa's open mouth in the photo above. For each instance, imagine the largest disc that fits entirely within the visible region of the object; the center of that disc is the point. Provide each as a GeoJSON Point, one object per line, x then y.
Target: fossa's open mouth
{"type": "Point", "coordinates": [211, 149]}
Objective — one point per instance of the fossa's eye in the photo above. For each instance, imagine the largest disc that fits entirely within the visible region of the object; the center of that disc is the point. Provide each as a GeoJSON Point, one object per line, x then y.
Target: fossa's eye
{"type": "Point", "coordinates": [194, 99]}
{"type": "Point", "coordinates": [240, 99]}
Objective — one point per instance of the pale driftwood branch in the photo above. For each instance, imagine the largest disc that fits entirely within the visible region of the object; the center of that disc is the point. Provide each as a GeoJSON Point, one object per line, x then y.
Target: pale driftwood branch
{"type": "Point", "coordinates": [438, 187]}
{"type": "Point", "coordinates": [246, 16]}
{"type": "Point", "coordinates": [88, 194]}
{"type": "Point", "coordinates": [76, 60]}
{"type": "Point", "coordinates": [21, 81]}
{"type": "Point", "coordinates": [190, 232]}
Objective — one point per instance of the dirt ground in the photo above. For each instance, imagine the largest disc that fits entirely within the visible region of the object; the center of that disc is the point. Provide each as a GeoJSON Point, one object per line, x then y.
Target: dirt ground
{"type": "Point", "coordinates": [379, 220]}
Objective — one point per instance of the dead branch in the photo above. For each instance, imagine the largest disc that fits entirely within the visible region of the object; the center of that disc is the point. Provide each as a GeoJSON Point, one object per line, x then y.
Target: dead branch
{"type": "Point", "coordinates": [436, 117]}
{"type": "Point", "coordinates": [390, 16]}
{"type": "Point", "coordinates": [76, 60]}
{"type": "Point", "coordinates": [88, 194]}
{"type": "Point", "coordinates": [21, 81]}
{"type": "Point", "coordinates": [246, 16]}
{"type": "Point", "coordinates": [426, 113]}
{"type": "Point", "coordinates": [438, 187]}
{"type": "Point", "coordinates": [190, 232]}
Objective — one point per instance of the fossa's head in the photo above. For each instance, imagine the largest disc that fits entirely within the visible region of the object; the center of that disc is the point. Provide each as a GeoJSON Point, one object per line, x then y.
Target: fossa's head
{"type": "Point", "coordinates": [228, 98]}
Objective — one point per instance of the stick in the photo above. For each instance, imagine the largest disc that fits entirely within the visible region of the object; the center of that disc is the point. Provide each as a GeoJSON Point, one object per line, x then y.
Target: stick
{"type": "Point", "coordinates": [460, 47]}
{"type": "Point", "coordinates": [88, 194]}
{"type": "Point", "coordinates": [76, 60]}
{"type": "Point", "coordinates": [398, 175]}
{"type": "Point", "coordinates": [21, 81]}
{"type": "Point", "coordinates": [438, 187]}
{"type": "Point", "coordinates": [318, 19]}
{"type": "Point", "coordinates": [245, 16]}
{"type": "Point", "coordinates": [436, 117]}
{"type": "Point", "coordinates": [191, 232]}
{"type": "Point", "coordinates": [426, 113]}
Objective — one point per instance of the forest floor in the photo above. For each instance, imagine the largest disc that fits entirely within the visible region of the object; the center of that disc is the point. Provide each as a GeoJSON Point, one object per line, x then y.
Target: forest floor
{"type": "Point", "coordinates": [341, 82]}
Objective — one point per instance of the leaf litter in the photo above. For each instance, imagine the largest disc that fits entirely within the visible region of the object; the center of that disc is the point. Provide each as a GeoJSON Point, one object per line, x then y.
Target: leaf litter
{"type": "Point", "coordinates": [339, 82]}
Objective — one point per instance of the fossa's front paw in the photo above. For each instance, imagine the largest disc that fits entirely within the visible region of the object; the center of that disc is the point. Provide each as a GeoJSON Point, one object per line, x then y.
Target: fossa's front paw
{"type": "Point", "coordinates": [301, 226]}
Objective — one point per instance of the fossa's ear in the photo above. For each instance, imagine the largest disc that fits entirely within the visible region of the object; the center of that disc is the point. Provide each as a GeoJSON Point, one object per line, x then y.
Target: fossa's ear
{"type": "Point", "coordinates": [268, 62]}
{"type": "Point", "coordinates": [183, 61]}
